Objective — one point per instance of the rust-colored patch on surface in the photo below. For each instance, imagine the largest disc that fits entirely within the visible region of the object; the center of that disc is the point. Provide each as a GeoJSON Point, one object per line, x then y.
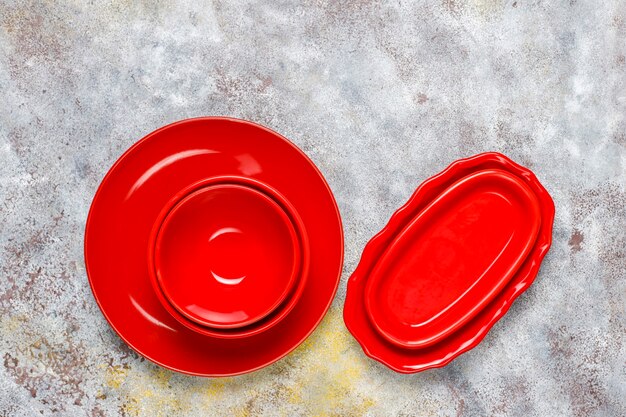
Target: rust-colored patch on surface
{"type": "Point", "coordinates": [576, 240]}
{"type": "Point", "coordinates": [453, 6]}
{"type": "Point", "coordinates": [421, 98]}
{"type": "Point", "coordinates": [55, 366]}
{"type": "Point", "coordinates": [579, 372]}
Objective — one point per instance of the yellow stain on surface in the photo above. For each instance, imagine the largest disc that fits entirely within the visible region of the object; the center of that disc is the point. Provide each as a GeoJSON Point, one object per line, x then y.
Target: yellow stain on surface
{"type": "Point", "coordinates": [326, 376]}
{"type": "Point", "coordinates": [216, 387]}
{"type": "Point", "coordinates": [130, 407]}
{"type": "Point", "coordinates": [328, 384]}
{"type": "Point", "coordinates": [162, 377]}
{"type": "Point", "coordinates": [11, 324]}
{"type": "Point", "coordinates": [242, 412]}
{"type": "Point", "coordinates": [488, 8]}
{"type": "Point", "coordinates": [150, 403]}
{"type": "Point", "coordinates": [114, 375]}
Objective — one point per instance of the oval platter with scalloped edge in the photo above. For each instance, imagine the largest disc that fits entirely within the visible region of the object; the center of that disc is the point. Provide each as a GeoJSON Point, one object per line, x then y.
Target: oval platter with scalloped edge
{"type": "Point", "coordinates": [449, 263]}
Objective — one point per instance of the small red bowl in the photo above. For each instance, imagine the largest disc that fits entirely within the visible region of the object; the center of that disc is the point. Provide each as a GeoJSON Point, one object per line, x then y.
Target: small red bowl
{"type": "Point", "coordinates": [228, 257]}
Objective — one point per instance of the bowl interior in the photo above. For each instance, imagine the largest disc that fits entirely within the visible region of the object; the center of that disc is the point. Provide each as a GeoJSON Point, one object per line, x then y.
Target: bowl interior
{"type": "Point", "coordinates": [226, 255]}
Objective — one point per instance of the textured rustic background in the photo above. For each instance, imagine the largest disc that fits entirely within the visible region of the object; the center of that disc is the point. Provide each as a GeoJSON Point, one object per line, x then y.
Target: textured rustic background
{"type": "Point", "coordinates": [381, 95]}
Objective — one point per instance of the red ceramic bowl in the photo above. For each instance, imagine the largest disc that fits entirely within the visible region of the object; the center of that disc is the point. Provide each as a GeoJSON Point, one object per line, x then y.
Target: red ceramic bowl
{"type": "Point", "coordinates": [228, 257]}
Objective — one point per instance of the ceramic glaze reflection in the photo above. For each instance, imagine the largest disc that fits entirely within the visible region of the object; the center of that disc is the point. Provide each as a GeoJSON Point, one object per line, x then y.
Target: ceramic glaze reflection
{"type": "Point", "coordinates": [227, 233]}
{"type": "Point", "coordinates": [163, 164]}
{"type": "Point", "coordinates": [226, 256]}
{"type": "Point", "coordinates": [149, 316]}
{"type": "Point", "coordinates": [217, 316]}
{"type": "Point", "coordinates": [248, 165]}
{"type": "Point", "coordinates": [227, 281]}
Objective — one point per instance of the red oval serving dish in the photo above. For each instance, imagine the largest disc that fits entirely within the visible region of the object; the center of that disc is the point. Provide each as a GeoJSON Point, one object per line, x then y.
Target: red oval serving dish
{"type": "Point", "coordinates": [449, 263]}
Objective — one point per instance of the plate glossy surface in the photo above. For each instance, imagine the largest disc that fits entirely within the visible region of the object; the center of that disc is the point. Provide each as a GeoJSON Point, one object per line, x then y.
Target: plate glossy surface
{"type": "Point", "coordinates": [425, 290]}
{"type": "Point", "coordinates": [130, 199]}
{"type": "Point", "coordinates": [226, 256]}
{"type": "Point", "coordinates": [452, 258]}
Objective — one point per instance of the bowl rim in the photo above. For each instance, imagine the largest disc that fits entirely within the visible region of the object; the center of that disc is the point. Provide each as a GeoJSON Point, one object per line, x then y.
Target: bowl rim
{"type": "Point", "coordinates": [297, 281]}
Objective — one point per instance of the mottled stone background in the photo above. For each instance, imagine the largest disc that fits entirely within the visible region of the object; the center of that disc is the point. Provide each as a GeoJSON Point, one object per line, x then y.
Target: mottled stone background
{"type": "Point", "coordinates": [381, 95]}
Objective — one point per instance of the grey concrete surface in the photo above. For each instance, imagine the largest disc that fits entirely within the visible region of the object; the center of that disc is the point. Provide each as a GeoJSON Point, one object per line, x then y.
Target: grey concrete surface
{"type": "Point", "coordinates": [381, 95]}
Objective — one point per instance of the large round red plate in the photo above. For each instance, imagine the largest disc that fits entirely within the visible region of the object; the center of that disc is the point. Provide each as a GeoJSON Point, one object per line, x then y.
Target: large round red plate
{"type": "Point", "coordinates": [130, 199]}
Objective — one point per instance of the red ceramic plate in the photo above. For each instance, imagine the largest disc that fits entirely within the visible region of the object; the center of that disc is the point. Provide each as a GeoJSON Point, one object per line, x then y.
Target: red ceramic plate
{"type": "Point", "coordinates": [131, 198]}
{"type": "Point", "coordinates": [449, 263]}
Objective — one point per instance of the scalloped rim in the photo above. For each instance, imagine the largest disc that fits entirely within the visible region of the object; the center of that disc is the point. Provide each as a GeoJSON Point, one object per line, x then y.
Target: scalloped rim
{"type": "Point", "coordinates": [424, 193]}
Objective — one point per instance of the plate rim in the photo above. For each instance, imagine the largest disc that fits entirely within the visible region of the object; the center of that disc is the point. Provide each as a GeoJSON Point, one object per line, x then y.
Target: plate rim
{"type": "Point", "coordinates": [125, 155]}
